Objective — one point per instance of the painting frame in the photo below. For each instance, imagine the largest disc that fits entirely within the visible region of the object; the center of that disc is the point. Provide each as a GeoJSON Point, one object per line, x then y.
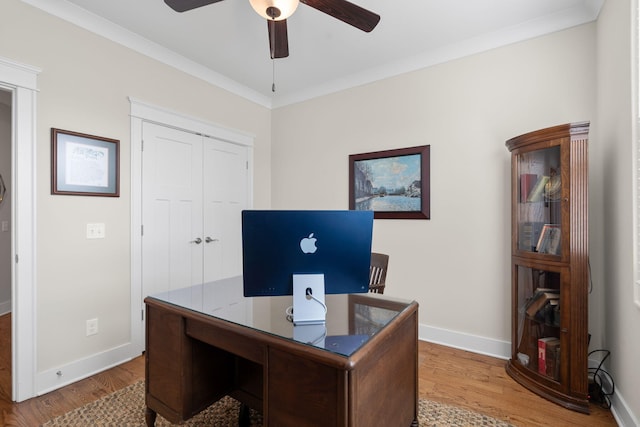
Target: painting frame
{"type": "Point", "coordinates": [84, 165]}
{"type": "Point", "coordinates": [360, 198]}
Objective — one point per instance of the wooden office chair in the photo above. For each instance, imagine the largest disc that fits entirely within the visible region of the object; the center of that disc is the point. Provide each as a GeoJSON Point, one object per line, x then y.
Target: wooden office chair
{"type": "Point", "coordinates": [378, 272]}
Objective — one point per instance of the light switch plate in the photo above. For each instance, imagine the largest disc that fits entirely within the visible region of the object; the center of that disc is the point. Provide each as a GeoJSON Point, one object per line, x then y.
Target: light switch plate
{"type": "Point", "coordinates": [95, 231]}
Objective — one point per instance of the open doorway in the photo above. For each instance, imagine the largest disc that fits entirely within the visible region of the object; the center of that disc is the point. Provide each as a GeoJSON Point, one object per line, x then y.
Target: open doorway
{"type": "Point", "coordinates": [21, 81]}
{"type": "Point", "coordinates": [5, 241]}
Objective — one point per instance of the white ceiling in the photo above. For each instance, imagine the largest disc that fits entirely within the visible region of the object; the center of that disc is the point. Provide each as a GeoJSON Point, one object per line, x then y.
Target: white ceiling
{"type": "Point", "coordinates": [226, 43]}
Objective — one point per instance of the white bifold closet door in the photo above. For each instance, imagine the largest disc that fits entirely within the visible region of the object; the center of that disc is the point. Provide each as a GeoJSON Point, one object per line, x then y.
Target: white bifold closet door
{"type": "Point", "coordinates": [194, 188]}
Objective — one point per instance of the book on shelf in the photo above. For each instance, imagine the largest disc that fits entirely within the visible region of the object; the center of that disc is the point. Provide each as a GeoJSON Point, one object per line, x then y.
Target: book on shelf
{"type": "Point", "coordinates": [554, 370]}
{"type": "Point", "coordinates": [553, 243]}
{"type": "Point", "coordinates": [539, 300]}
{"type": "Point", "coordinates": [542, 240]}
{"type": "Point", "coordinates": [528, 235]}
{"type": "Point", "coordinates": [527, 181]}
{"type": "Point", "coordinates": [549, 357]}
{"type": "Point", "coordinates": [549, 240]}
{"type": "Point", "coordinates": [537, 192]}
{"type": "Point", "coordinates": [550, 313]}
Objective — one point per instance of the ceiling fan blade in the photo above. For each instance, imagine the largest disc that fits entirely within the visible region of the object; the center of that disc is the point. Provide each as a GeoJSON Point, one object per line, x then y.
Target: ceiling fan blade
{"type": "Point", "coordinates": [346, 12]}
{"type": "Point", "coordinates": [278, 40]}
{"type": "Point", "coordinates": [184, 5]}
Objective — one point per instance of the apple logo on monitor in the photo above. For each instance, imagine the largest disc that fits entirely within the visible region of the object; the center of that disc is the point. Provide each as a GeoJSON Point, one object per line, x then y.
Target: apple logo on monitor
{"type": "Point", "coordinates": [308, 244]}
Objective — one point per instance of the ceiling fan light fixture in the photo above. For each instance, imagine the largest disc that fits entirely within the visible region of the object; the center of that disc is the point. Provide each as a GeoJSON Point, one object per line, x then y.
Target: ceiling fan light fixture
{"type": "Point", "coordinates": [276, 10]}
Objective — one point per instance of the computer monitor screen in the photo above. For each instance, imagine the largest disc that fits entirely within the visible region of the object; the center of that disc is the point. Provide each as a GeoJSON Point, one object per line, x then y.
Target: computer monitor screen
{"type": "Point", "coordinates": [277, 244]}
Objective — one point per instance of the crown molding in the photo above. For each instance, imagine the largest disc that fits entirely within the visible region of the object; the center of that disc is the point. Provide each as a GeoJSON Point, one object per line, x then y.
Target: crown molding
{"type": "Point", "coordinates": [583, 13]}
{"type": "Point", "coordinates": [562, 20]}
{"type": "Point", "coordinates": [107, 29]}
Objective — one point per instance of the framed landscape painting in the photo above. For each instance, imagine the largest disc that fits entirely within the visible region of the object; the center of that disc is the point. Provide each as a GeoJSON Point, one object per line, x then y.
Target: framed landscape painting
{"type": "Point", "coordinates": [393, 183]}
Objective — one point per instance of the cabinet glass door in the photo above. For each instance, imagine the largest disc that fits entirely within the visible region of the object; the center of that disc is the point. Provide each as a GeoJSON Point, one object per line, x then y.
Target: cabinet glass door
{"type": "Point", "coordinates": [539, 201]}
{"type": "Point", "coordinates": [539, 308]}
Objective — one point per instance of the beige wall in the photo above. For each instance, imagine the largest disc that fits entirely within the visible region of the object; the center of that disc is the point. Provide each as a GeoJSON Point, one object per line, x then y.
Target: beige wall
{"type": "Point", "coordinates": [84, 85]}
{"type": "Point", "coordinates": [457, 264]}
{"type": "Point", "coordinates": [615, 108]}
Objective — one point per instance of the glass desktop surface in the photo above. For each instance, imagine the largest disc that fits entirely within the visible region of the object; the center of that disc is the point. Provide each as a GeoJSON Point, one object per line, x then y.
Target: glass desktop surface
{"type": "Point", "coordinates": [344, 332]}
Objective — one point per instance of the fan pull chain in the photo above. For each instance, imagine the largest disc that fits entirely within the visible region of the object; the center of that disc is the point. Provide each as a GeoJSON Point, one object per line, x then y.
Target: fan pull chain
{"type": "Point", "coordinates": [272, 43]}
{"type": "Point", "coordinates": [273, 78]}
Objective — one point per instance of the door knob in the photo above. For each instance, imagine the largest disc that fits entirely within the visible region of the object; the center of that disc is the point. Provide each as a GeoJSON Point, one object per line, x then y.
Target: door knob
{"type": "Point", "coordinates": [209, 239]}
{"type": "Point", "coordinates": [197, 241]}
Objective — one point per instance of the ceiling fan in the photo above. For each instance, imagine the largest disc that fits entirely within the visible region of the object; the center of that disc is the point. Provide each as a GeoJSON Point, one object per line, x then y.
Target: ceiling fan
{"type": "Point", "coordinates": [277, 11]}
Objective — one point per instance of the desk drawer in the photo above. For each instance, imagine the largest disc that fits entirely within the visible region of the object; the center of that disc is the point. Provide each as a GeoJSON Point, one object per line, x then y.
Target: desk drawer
{"type": "Point", "coordinates": [226, 338]}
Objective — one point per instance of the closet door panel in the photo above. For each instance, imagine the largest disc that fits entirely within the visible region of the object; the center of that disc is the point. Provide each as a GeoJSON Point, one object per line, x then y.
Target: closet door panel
{"type": "Point", "coordinates": [171, 209]}
{"type": "Point", "coordinates": [225, 196]}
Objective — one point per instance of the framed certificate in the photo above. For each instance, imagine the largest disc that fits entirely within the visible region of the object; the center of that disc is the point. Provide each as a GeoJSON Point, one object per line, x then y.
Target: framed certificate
{"type": "Point", "coordinates": [84, 165]}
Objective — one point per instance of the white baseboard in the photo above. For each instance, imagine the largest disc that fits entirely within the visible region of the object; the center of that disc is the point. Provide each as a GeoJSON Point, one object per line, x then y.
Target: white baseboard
{"type": "Point", "coordinates": [619, 407]}
{"type": "Point", "coordinates": [61, 376]}
{"type": "Point", "coordinates": [622, 412]}
{"type": "Point", "coordinates": [463, 341]}
{"type": "Point", "coordinates": [5, 307]}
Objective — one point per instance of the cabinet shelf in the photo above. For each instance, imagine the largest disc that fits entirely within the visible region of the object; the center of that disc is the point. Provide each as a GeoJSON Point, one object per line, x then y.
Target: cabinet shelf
{"type": "Point", "coordinates": [550, 263]}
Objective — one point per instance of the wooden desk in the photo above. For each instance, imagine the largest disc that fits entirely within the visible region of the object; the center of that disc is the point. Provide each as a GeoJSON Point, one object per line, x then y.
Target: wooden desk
{"type": "Point", "coordinates": [194, 358]}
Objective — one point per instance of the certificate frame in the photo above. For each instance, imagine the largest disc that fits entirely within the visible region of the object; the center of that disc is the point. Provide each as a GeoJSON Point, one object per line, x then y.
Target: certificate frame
{"type": "Point", "coordinates": [84, 165]}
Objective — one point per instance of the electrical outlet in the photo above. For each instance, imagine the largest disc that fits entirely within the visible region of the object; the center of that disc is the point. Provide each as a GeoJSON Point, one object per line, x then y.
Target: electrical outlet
{"type": "Point", "coordinates": [92, 327]}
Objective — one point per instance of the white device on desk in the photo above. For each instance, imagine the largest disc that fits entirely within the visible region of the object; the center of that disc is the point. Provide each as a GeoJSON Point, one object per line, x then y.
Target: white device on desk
{"type": "Point", "coordinates": [309, 307]}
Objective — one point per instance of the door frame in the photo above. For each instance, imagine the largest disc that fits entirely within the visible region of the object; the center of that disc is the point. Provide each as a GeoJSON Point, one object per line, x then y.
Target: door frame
{"type": "Point", "coordinates": [21, 80]}
{"type": "Point", "coordinates": [145, 112]}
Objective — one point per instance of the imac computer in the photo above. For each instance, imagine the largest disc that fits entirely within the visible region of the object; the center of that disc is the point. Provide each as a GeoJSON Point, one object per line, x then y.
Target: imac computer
{"type": "Point", "coordinates": [306, 254]}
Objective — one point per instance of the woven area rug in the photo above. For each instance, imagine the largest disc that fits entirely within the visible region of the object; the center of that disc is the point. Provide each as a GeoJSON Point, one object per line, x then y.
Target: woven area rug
{"type": "Point", "coordinates": [125, 408]}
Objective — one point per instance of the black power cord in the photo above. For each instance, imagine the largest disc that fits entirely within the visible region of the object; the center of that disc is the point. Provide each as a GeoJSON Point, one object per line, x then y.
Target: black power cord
{"type": "Point", "coordinates": [597, 387]}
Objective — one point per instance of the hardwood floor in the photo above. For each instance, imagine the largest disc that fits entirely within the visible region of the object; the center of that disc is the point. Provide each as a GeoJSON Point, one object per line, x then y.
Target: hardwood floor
{"type": "Point", "coordinates": [447, 375]}
{"type": "Point", "coordinates": [480, 383]}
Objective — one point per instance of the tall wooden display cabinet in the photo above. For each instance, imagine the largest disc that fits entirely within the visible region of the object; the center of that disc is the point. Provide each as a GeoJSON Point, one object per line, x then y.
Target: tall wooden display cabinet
{"type": "Point", "coordinates": [550, 266]}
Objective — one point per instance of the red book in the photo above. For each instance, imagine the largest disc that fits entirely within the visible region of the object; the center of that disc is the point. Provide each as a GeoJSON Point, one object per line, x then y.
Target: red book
{"type": "Point", "coordinates": [544, 345]}
{"type": "Point", "coordinates": [527, 181]}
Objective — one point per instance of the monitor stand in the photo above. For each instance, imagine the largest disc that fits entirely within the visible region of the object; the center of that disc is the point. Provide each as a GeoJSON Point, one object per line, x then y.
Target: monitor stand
{"type": "Point", "coordinates": [308, 299]}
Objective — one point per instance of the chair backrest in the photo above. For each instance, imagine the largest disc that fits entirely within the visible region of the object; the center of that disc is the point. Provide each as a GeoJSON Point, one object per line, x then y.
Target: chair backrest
{"type": "Point", "coordinates": [378, 272]}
